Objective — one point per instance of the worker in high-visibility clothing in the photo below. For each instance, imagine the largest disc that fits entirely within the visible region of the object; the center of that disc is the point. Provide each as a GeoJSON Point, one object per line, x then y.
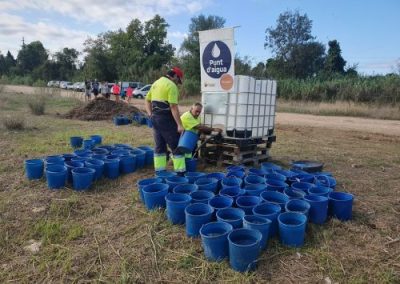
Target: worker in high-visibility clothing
{"type": "Point", "coordinates": [191, 122]}
{"type": "Point", "coordinates": [162, 107]}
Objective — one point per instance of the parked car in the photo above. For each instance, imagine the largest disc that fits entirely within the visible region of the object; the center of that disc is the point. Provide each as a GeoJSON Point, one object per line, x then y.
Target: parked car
{"type": "Point", "coordinates": [64, 84]}
{"type": "Point", "coordinates": [134, 86]}
{"type": "Point", "coordinates": [79, 86]}
{"type": "Point", "coordinates": [53, 84]}
{"type": "Point", "coordinates": [141, 93]}
{"type": "Point", "coordinates": [70, 86]}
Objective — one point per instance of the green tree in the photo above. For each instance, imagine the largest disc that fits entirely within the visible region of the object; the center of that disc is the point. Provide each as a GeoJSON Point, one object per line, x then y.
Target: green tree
{"type": "Point", "coordinates": [66, 60]}
{"type": "Point", "coordinates": [334, 62]}
{"type": "Point", "coordinates": [292, 29]}
{"type": "Point", "coordinates": [2, 65]}
{"type": "Point", "coordinates": [190, 50]}
{"type": "Point", "coordinates": [259, 70]}
{"type": "Point", "coordinates": [9, 63]}
{"type": "Point", "coordinates": [242, 65]}
{"type": "Point", "coordinates": [31, 56]}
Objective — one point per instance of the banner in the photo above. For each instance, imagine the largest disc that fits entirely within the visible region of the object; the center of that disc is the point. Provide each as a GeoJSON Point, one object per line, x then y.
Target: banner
{"type": "Point", "coordinates": [217, 60]}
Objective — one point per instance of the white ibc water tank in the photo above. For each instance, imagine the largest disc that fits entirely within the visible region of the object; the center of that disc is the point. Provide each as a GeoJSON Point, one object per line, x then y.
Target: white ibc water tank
{"type": "Point", "coordinates": [250, 108]}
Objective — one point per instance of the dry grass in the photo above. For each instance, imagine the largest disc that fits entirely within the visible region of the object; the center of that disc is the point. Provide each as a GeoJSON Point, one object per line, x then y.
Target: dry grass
{"type": "Point", "coordinates": [341, 109]}
{"type": "Point", "coordinates": [13, 122]}
{"type": "Point", "coordinates": [106, 234]}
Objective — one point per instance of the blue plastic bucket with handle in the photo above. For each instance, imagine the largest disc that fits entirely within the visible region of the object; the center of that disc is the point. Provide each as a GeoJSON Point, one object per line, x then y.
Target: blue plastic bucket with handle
{"type": "Point", "coordinates": [214, 239]}
{"type": "Point", "coordinates": [34, 168]}
{"type": "Point", "coordinates": [196, 215]}
{"type": "Point", "coordinates": [176, 204]}
{"type": "Point", "coordinates": [187, 142]}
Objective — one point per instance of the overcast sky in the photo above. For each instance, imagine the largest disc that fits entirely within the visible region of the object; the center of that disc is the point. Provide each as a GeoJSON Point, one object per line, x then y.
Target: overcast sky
{"type": "Point", "coordinates": [367, 30]}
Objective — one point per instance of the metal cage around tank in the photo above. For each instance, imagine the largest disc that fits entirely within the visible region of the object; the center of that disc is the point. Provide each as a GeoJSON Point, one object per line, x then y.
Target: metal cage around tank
{"type": "Point", "coordinates": [246, 112]}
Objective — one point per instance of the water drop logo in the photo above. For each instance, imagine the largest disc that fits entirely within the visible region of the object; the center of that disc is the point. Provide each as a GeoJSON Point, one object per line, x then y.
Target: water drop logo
{"type": "Point", "coordinates": [217, 59]}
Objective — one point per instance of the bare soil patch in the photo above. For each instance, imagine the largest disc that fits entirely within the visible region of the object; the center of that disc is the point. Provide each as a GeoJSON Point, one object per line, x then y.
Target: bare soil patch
{"type": "Point", "coordinates": [101, 109]}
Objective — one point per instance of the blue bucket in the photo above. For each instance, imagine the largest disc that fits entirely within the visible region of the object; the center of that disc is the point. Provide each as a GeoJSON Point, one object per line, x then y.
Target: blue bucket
{"type": "Point", "coordinates": [276, 185]}
{"type": "Point", "coordinates": [143, 182]}
{"type": "Point", "coordinates": [149, 154]}
{"type": "Point", "coordinates": [320, 190]}
{"type": "Point", "coordinates": [187, 142]}
{"type": "Point", "coordinates": [325, 181]}
{"type": "Point", "coordinates": [255, 189]}
{"type": "Point", "coordinates": [83, 152]}
{"type": "Point", "coordinates": [154, 195]}
{"type": "Point", "coordinates": [238, 174]}
{"type": "Point", "coordinates": [88, 144]}
{"type": "Point", "coordinates": [140, 157]}
{"type": "Point", "coordinates": [68, 156]}
{"type": "Point", "coordinates": [97, 139]}
{"type": "Point", "coordinates": [233, 192]}
{"type": "Point", "coordinates": [76, 141]}
{"type": "Point", "coordinates": [209, 184]}
{"type": "Point", "coordinates": [275, 176]}
{"type": "Point", "coordinates": [81, 159]}
{"type": "Point", "coordinates": [233, 216]}
{"type": "Point", "coordinates": [299, 206]}
{"type": "Point", "coordinates": [275, 197]}
{"type": "Point", "coordinates": [165, 174]}
{"type": "Point", "coordinates": [231, 181]}
{"type": "Point", "coordinates": [56, 176]}
{"type": "Point", "coordinates": [286, 173]}
{"type": "Point", "coordinates": [100, 151]}
{"type": "Point", "coordinates": [271, 212]}
{"type": "Point", "coordinates": [294, 194]}
{"type": "Point", "coordinates": [234, 168]}
{"type": "Point", "coordinates": [191, 164]}
{"type": "Point", "coordinates": [214, 239]}
{"type": "Point", "coordinates": [175, 181]}
{"type": "Point", "coordinates": [302, 178]}
{"type": "Point", "coordinates": [201, 196]}
{"type": "Point", "coordinates": [259, 223]}
{"type": "Point", "coordinates": [267, 166]}
{"type": "Point", "coordinates": [70, 166]}
{"type": "Point", "coordinates": [97, 165]}
{"type": "Point", "coordinates": [54, 160]}
{"type": "Point", "coordinates": [244, 249]}
{"type": "Point", "coordinates": [302, 186]}
{"type": "Point", "coordinates": [341, 205]}
{"type": "Point", "coordinates": [149, 123]}
{"type": "Point", "coordinates": [120, 152]}
{"type": "Point", "coordinates": [185, 188]}
{"type": "Point", "coordinates": [34, 168]}
{"type": "Point", "coordinates": [127, 163]}
{"type": "Point", "coordinates": [82, 178]}
{"type": "Point", "coordinates": [111, 167]}
{"type": "Point", "coordinates": [193, 176]}
{"type": "Point", "coordinates": [196, 215]}
{"type": "Point", "coordinates": [318, 208]}
{"type": "Point", "coordinates": [247, 203]}
{"type": "Point", "coordinates": [220, 202]}
{"type": "Point", "coordinates": [292, 228]}
{"type": "Point", "coordinates": [257, 172]}
{"type": "Point", "coordinates": [253, 179]}
{"type": "Point", "coordinates": [176, 204]}
{"type": "Point", "coordinates": [218, 176]}
{"type": "Point", "coordinates": [99, 157]}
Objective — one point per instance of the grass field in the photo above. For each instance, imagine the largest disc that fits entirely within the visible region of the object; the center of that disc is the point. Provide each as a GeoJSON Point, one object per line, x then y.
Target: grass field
{"type": "Point", "coordinates": [106, 234]}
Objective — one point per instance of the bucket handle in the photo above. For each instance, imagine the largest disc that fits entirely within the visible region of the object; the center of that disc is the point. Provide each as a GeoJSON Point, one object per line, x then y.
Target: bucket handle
{"type": "Point", "coordinates": [327, 180]}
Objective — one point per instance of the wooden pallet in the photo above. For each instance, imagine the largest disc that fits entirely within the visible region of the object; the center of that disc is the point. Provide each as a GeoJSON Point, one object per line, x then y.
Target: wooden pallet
{"type": "Point", "coordinates": [233, 154]}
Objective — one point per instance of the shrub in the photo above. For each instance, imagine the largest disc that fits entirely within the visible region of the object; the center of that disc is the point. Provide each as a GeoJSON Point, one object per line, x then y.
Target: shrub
{"type": "Point", "coordinates": [14, 122]}
{"type": "Point", "coordinates": [37, 104]}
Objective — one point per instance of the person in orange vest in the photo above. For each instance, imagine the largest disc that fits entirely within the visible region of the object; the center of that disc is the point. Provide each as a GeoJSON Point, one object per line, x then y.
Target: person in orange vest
{"type": "Point", "coordinates": [116, 90]}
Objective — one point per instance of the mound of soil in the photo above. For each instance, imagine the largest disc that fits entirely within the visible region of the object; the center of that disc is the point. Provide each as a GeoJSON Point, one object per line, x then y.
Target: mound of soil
{"type": "Point", "coordinates": [101, 109]}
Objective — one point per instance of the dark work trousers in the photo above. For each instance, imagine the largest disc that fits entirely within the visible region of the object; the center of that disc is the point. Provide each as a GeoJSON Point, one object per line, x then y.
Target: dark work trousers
{"type": "Point", "coordinates": [165, 132]}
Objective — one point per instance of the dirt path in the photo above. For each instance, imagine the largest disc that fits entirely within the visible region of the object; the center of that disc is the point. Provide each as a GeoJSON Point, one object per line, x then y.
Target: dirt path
{"type": "Point", "coordinates": [387, 127]}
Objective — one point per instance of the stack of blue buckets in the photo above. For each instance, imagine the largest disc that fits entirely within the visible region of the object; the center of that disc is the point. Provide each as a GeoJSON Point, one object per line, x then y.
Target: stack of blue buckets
{"type": "Point", "coordinates": [89, 162]}
{"type": "Point", "coordinates": [236, 212]}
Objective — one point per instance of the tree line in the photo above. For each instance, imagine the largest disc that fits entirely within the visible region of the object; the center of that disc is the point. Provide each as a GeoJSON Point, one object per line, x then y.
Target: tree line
{"type": "Point", "coordinates": [141, 52]}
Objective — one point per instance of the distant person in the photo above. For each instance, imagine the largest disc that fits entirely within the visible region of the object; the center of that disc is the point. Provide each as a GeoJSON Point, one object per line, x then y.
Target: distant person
{"type": "Point", "coordinates": [129, 92]}
{"type": "Point", "coordinates": [115, 91]}
{"type": "Point", "coordinates": [162, 106]}
{"type": "Point", "coordinates": [87, 90]}
{"type": "Point", "coordinates": [105, 90]}
{"type": "Point", "coordinates": [191, 122]}
{"type": "Point", "coordinates": [95, 88]}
